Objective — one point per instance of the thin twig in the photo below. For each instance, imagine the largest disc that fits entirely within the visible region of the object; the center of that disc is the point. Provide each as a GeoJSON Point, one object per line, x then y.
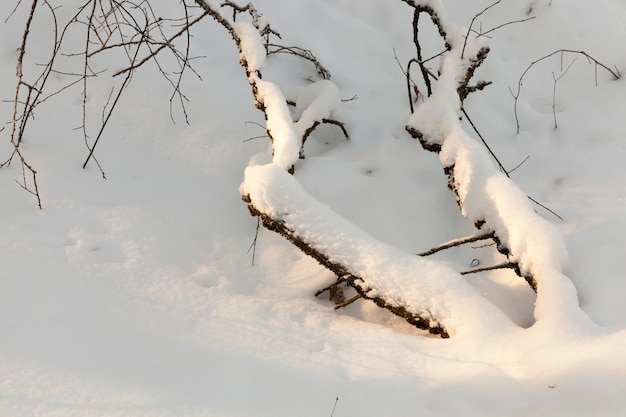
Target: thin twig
{"type": "Point", "coordinates": [504, 171]}
{"type": "Point", "coordinates": [616, 75]}
{"type": "Point", "coordinates": [254, 241]}
{"type": "Point", "coordinates": [409, 81]}
{"type": "Point", "coordinates": [255, 138]}
{"type": "Point", "coordinates": [519, 165]}
{"type": "Point", "coordinates": [418, 48]}
{"type": "Point", "coordinates": [484, 142]}
{"type": "Point", "coordinates": [119, 94]}
{"type": "Point", "coordinates": [410, 84]}
{"type": "Point", "coordinates": [476, 16]}
{"type": "Point", "coordinates": [458, 242]}
{"type": "Point", "coordinates": [506, 265]}
{"type": "Point", "coordinates": [348, 302]}
{"type": "Point", "coordinates": [17, 5]}
{"type": "Point", "coordinates": [299, 52]}
{"type": "Point", "coordinates": [556, 80]}
{"type": "Point", "coordinates": [334, 406]}
{"type": "Point", "coordinates": [337, 282]}
{"type": "Point", "coordinates": [27, 109]}
{"type": "Point", "coordinates": [166, 44]}
{"type": "Point", "coordinates": [546, 208]}
{"type": "Point", "coordinates": [505, 24]}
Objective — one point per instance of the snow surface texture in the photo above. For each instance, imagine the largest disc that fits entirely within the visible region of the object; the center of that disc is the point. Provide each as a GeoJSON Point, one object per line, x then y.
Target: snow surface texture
{"type": "Point", "coordinates": [135, 296]}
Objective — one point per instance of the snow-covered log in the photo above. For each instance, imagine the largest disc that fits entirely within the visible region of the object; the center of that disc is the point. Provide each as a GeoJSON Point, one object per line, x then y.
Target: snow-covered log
{"type": "Point", "coordinates": [428, 294]}
{"type": "Point", "coordinates": [485, 195]}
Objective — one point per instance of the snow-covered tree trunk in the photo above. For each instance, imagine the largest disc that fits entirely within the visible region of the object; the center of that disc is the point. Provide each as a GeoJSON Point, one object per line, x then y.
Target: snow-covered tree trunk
{"type": "Point", "coordinates": [486, 196]}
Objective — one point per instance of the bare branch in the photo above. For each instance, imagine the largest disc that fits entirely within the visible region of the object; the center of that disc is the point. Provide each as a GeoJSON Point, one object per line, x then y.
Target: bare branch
{"type": "Point", "coordinates": [476, 16]}
{"type": "Point", "coordinates": [506, 265]}
{"type": "Point", "coordinates": [165, 44]}
{"type": "Point", "coordinates": [17, 132]}
{"type": "Point", "coordinates": [315, 124]}
{"type": "Point", "coordinates": [545, 208]}
{"type": "Point", "coordinates": [519, 165]}
{"type": "Point", "coordinates": [505, 24]}
{"type": "Point", "coordinates": [272, 48]}
{"type": "Point", "coordinates": [482, 139]}
{"type": "Point", "coordinates": [108, 116]}
{"type": "Point", "coordinates": [616, 74]}
{"type": "Point", "coordinates": [254, 241]}
{"type": "Point", "coordinates": [418, 48]}
{"type": "Point", "coordinates": [348, 301]}
{"type": "Point", "coordinates": [457, 242]}
{"type": "Point", "coordinates": [556, 80]}
{"type": "Point", "coordinates": [337, 282]}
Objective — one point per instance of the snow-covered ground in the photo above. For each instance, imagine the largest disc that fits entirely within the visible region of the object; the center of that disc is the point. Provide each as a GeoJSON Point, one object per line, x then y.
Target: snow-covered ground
{"type": "Point", "coordinates": [137, 296]}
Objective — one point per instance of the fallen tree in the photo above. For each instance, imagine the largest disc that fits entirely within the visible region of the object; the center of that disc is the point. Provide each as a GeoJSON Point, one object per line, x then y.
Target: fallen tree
{"type": "Point", "coordinates": [485, 195]}
{"type": "Point", "coordinates": [407, 286]}
{"type": "Point", "coordinates": [428, 294]}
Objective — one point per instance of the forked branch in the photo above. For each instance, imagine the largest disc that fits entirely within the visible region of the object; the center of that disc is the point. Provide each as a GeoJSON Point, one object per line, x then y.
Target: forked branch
{"type": "Point", "coordinates": [458, 242]}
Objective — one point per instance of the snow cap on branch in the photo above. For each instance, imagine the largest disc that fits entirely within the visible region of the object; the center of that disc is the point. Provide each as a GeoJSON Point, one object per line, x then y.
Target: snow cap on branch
{"type": "Point", "coordinates": [280, 126]}
{"type": "Point", "coordinates": [315, 102]}
{"type": "Point", "coordinates": [438, 13]}
{"type": "Point", "coordinates": [252, 49]}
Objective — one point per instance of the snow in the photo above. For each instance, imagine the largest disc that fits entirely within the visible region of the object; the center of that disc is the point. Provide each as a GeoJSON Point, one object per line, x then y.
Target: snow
{"type": "Point", "coordinates": [136, 296]}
